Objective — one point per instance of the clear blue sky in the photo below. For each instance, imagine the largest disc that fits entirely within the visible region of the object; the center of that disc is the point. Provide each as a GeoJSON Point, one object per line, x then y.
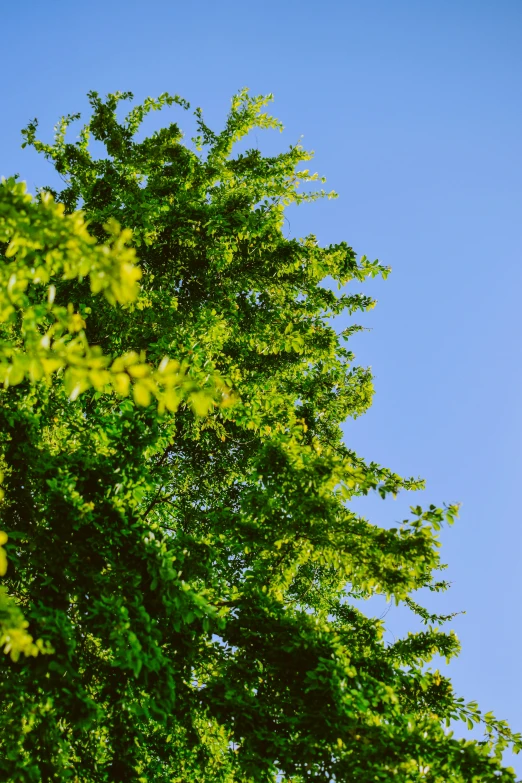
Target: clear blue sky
{"type": "Point", "coordinates": [414, 111]}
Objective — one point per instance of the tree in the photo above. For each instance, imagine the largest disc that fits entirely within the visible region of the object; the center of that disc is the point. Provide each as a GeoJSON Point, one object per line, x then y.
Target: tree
{"type": "Point", "coordinates": [179, 535]}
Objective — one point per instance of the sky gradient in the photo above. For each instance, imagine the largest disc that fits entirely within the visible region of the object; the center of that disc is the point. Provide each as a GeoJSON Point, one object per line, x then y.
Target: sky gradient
{"type": "Point", "coordinates": [414, 112]}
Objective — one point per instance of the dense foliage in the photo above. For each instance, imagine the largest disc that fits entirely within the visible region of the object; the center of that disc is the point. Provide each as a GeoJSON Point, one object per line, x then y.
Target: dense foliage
{"type": "Point", "coordinates": [182, 560]}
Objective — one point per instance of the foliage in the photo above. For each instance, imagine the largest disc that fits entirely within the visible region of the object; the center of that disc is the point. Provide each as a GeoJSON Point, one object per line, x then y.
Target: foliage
{"type": "Point", "coordinates": [14, 638]}
{"type": "Point", "coordinates": [186, 553]}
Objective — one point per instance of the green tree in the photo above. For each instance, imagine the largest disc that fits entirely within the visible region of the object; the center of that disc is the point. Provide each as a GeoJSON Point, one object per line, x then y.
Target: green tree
{"type": "Point", "coordinates": [177, 490]}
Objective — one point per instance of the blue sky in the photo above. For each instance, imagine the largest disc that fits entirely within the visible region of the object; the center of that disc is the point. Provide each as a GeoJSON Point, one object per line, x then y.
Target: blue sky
{"type": "Point", "coordinates": [413, 109]}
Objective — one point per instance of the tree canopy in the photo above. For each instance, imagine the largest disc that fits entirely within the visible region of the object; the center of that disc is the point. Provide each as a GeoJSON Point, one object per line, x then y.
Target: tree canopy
{"type": "Point", "coordinates": [180, 564]}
